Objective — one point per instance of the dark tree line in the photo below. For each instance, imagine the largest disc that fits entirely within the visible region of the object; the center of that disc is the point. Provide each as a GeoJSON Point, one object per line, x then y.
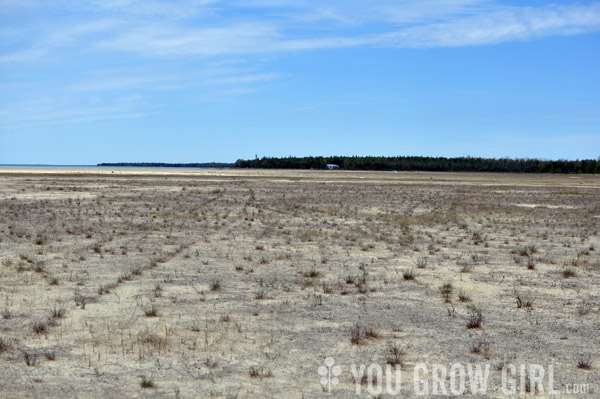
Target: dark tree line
{"type": "Point", "coordinates": [169, 165]}
{"type": "Point", "coordinates": [414, 163]}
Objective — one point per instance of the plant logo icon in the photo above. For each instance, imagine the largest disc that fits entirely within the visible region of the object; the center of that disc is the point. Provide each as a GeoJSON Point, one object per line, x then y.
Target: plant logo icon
{"type": "Point", "coordinates": [329, 373]}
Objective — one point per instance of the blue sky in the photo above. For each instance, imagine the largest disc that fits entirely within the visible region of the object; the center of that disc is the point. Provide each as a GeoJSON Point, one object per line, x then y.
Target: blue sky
{"type": "Point", "coordinates": [83, 82]}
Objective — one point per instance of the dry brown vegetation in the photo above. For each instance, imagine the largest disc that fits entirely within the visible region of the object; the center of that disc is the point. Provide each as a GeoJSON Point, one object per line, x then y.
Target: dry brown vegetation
{"type": "Point", "coordinates": [238, 284]}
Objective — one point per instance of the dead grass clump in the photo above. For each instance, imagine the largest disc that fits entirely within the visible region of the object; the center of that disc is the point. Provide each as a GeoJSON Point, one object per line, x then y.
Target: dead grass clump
{"type": "Point", "coordinates": [150, 339]}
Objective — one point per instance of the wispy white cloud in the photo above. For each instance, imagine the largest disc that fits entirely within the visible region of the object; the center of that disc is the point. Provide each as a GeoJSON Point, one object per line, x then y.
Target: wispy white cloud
{"type": "Point", "coordinates": [279, 26]}
{"type": "Point", "coordinates": [22, 56]}
{"type": "Point", "coordinates": [500, 26]}
{"type": "Point", "coordinates": [214, 39]}
{"type": "Point", "coordinates": [496, 26]}
{"type": "Point", "coordinates": [67, 110]}
{"type": "Point", "coordinates": [246, 78]}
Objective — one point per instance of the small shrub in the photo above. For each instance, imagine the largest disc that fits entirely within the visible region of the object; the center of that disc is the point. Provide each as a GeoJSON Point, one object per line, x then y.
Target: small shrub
{"type": "Point", "coordinates": [39, 267]}
{"type": "Point", "coordinates": [103, 289]}
{"type": "Point", "coordinates": [7, 314]}
{"type": "Point", "coordinates": [523, 303]}
{"type": "Point", "coordinates": [446, 290]}
{"type": "Point", "coordinates": [474, 317]}
{"type": "Point", "coordinates": [583, 308]}
{"type": "Point", "coordinates": [465, 267]}
{"type": "Point", "coordinates": [480, 347]}
{"type": "Point", "coordinates": [357, 334]}
{"type": "Point", "coordinates": [39, 327]}
{"type": "Point", "coordinates": [4, 344]}
{"type": "Point", "coordinates": [371, 332]}
{"type": "Point", "coordinates": [30, 359]}
{"type": "Point", "coordinates": [41, 238]}
{"type": "Point", "coordinates": [50, 355]}
{"type": "Point", "coordinates": [316, 300]}
{"type": "Point", "coordinates": [215, 285]}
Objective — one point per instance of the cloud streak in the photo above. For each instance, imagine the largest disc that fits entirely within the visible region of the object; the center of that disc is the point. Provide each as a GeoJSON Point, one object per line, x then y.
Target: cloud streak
{"type": "Point", "coordinates": [508, 24]}
{"type": "Point", "coordinates": [198, 44]}
{"type": "Point", "coordinates": [203, 28]}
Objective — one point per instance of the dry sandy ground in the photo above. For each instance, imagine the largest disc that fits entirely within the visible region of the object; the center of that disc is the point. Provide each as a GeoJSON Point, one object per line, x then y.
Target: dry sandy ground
{"type": "Point", "coordinates": [239, 283]}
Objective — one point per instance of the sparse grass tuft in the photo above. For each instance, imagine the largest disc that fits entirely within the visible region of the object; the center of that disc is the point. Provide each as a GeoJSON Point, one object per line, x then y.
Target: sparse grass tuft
{"type": "Point", "coordinates": [151, 311]}
{"type": "Point", "coordinates": [569, 272]}
{"type": "Point", "coordinates": [408, 274]}
{"type": "Point", "coordinates": [394, 354]}
{"type": "Point", "coordinates": [147, 382]}
{"type": "Point", "coordinates": [58, 313]}
{"type": "Point", "coordinates": [312, 273]}
{"type": "Point", "coordinates": [584, 362]}
{"type": "Point", "coordinates": [463, 297]}
{"type": "Point", "coordinates": [259, 372]}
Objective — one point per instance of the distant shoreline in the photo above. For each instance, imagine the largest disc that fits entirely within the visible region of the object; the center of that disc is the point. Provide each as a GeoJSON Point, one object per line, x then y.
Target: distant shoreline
{"type": "Point", "coordinates": [168, 165]}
